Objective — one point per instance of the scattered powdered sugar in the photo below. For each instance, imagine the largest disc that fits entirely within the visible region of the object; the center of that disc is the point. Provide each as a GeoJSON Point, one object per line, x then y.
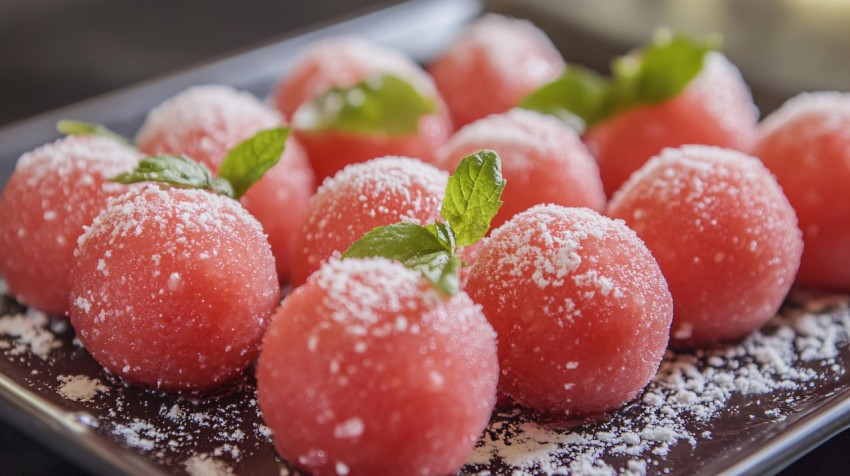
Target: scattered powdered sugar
{"type": "Point", "coordinates": [80, 388]}
{"type": "Point", "coordinates": [30, 332]}
{"type": "Point", "coordinates": [205, 465]}
{"type": "Point", "coordinates": [682, 403]}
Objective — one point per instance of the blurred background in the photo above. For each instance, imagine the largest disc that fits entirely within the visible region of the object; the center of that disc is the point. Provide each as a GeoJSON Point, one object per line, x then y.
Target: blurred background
{"type": "Point", "coordinates": [57, 52]}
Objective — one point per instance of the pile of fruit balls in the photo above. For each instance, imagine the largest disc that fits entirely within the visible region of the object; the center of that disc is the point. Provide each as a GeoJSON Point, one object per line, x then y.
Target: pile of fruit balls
{"type": "Point", "coordinates": [641, 210]}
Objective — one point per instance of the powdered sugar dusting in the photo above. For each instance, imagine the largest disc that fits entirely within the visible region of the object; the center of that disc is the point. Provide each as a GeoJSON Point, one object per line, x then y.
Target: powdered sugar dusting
{"type": "Point", "coordinates": [768, 373]}
{"type": "Point", "coordinates": [80, 388]}
{"type": "Point", "coordinates": [30, 332]}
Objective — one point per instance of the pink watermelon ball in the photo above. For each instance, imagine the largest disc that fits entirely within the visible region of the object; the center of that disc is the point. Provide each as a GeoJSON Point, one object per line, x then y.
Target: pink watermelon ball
{"type": "Point", "coordinates": [580, 307]}
{"type": "Point", "coordinates": [342, 63]}
{"type": "Point", "coordinates": [543, 161]}
{"type": "Point", "coordinates": [360, 198]}
{"type": "Point", "coordinates": [204, 122]}
{"type": "Point", "coordinates": [54, 192]}
{"type": "Point", "coordinates": [368, 370]}
{"type": "Point", "coordinates": [716, 108]}
{"type": "Point", "coordinates": [508, 60]}
{"type": "Point", "coordinates": [172, 289]}
{"type": "Point", "coordinates": [806, 143]}
{"type": "Point", "coordinates": [723, 233]}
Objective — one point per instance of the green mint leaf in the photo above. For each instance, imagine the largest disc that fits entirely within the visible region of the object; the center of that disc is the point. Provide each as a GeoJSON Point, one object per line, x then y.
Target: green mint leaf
{"type": "Point", "coordinates": [248, 161]}
{"type": "Point", "coordinates": [664, 68]}
{"type": "Point", "coordinates": [73, 128]}
{"type": "Point", "coordinates": [415, 246]}
{"type": "Point", "coordinates": [578, 97]}
{"type": "Point", "coordinates": [472, 196]}
{"type": "Point", "coordinates": [383, 104]}
{"type": "Point", "coordinates": [177, 171]}
{"type": "Point", "coordinates": [660, 71]}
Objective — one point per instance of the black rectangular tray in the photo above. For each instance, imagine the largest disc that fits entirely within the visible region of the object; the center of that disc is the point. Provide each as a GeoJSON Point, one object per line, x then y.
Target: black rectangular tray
{"type": "Point", "coordinates": [124, 430]}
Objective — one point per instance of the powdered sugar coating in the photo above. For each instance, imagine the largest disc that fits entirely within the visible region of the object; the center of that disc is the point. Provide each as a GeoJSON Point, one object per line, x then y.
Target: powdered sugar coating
{"type": "Point", "coordinates": [162, 295]}
{"type": "Point", "coordinates": [343, 62]}
{"type": "Point", "coordinates": [806, 143]}
{"type": "Point", "coordinates": [361, 197]}
{"type": "Point", "coordinates": [368, 368]}
{"type": "Point", "coordinates": [543, 160]}
{"type": "Point", "coordinates": [716, 109]}
{"type": "Point", "coordinates": [580, 306]}
{"type": "Point", "coordinates": [55, 190]}
{"type": "Point", "coordinates": [508, 58]}
{"type": "Point", "coordinates": [724, 235]}
{"type": "Point", "coordinates": [204, 122]}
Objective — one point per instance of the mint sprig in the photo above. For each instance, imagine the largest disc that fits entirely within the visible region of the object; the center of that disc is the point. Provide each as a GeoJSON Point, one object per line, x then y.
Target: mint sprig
{"type": "Point", "coordinates": [248, 161]}
{"type": "Point", "coordinates": [660, 71]}
{"type": "Point", "coordinates": [245, 164]}
{"type": "Point", "coordinates": [77, 128]}
{"type": "Point", "coordinates": [472, 196]}
{"type": "Point", "coordinates": [384, 104]}
{"type": "Point", "coordinates": [471, 200]}
{"type": "Point", "coordinates": [178, 171]}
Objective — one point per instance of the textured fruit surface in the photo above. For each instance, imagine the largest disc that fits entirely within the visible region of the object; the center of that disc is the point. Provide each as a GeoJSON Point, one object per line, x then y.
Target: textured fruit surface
{"type": "Point", "coordinates": [54, 192]}
{"type": "Point", "coordinates": [543, 160]}
{"type": "Point", "coordinates": [806, 143]}
{"type": "Point", "coordinates": [493, 67]}
{"type": "Point", "coordinates": [361, 197]}
{"type": "Point", "coordinates": [342, 63]}
{"type": "Point", "coordinates": [580, 307]}
{"type": "Point", "coordinates": [204, 122]}
{"type": "Point", "coordinates": [368, 370]}
{"type": "Point", "coordinates": [716, 108]}
{"type": "Point", "coordinates": [172, 289]}
{"type": "Point", "coordinates": [723, 233]}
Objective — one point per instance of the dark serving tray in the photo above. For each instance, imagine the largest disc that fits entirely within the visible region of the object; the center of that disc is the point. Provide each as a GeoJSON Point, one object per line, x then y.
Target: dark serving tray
{"type": "Point", "coordinates": [747, 408]}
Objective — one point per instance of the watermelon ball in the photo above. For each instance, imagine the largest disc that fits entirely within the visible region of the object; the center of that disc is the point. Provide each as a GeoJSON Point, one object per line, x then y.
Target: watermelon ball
{"type": "Point", "coordinates": [507, 58]}
{"type": "Point", "coordinates": [53, 193]}
{"type": "Point", "coordinates": [580, 307]}
{"type": "Point", "coordinates": [723, 233]}
{"type": "Point", "coordinates": [204, 122]}
{"type": "Point", "coordinates": [342, 63]}
{"type": "Point", "coordinates": [543, 160]}
{"type": "Point", "coordinates": [806, 143]}
{"type": "Point", "coordinates": [360, 198]}
{"type": "Point", "coordinates": [172, 289]}
{"type": "Point", "coordinates": [367, 369]}
{"type": "Point", "coordinates": [716, 108]}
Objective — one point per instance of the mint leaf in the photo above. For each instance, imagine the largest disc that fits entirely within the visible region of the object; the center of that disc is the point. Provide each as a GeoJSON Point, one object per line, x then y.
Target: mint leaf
{"type": "Point", "coordinates": [415, 246]}
{"type": "Point", "coordinates": [248, 161]}
{"type": "Point", "coordinates": [177, 171]}
{"type": "Point", "coordinates": [660, 71]}
{"type": "Point", "coordinates": [73, 128]}
{"type": "Point", "coordinates": [665, 67]}
{"type": "Point", "coordinates": [383, 105]}
{"type": "Point", "coordinates": [472, 196]}
{"type": "Point", "coordinates": [578, 97]}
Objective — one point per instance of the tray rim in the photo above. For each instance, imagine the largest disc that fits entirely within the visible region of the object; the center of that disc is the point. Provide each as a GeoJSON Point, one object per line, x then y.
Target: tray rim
{"type": "Point", "coordinates": [22, 407]}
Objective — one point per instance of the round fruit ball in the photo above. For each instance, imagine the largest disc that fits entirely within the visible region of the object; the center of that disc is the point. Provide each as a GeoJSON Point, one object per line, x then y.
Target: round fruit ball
{"type": "Point", "coordinates": [342, 63]}
{"type": "Point", "coordinates": [508, 58]}
{"type": "Point", "coordinates": [361, 197]}
{"type": "Point", "coordinates": [723, 233]}
{"type": "Point", "coordinates": [367, 369]}
{"type": "Point", "coordinates": [543, 160]}
{"type": "Point", "coordinates": [716, 109]}
{"type": "Point", "coordinates": [54, 192]}
{"type": "Point", "coordinates": [806, 143]}
{"type": "Point", "coordinates": [580, 307]}
{"type": "Point", "coordinates": [172, 289]}
{"type": "Point", "coordinates": [204, 122]}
